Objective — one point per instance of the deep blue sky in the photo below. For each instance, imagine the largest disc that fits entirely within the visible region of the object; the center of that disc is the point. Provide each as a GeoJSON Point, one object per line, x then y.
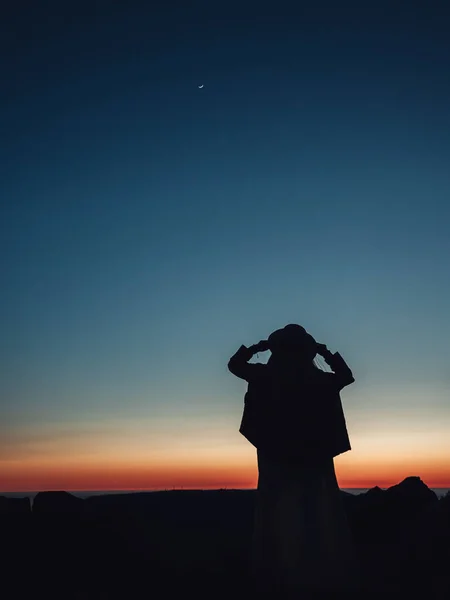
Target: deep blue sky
{"type": "Point", "coordinates": [150, 227]}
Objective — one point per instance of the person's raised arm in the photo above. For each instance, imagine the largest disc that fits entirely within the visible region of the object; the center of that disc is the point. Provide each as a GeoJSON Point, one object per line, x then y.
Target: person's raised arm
{"type": "Point", "coordinates": [342, 371]}
{"type": "Point", "coordinates": [238, 363]}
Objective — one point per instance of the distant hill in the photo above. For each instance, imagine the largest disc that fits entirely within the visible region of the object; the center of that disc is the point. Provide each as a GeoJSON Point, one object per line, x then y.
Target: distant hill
{"type": "Point", "coordinates": [116, 545]}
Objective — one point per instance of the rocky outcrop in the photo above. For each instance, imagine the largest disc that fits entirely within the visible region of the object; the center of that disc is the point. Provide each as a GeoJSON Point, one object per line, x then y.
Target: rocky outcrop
{"type": "Point", "coordinates": [412, 491]}
{"type": "Point", "coordinates": [57, 503]}
{"type": "Point", "coordinates": [14, 506]}
{"type": "Point", "coordinates": [17, 536]}
{"type": "Point", "coordinates": [388, 514]}
{"type": "Point", "coordinates": [113, 545]}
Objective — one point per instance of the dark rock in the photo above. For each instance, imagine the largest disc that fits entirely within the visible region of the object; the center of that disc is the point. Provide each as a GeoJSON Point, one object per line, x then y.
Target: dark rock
{"type": "Point", "coordinates": [405, 501]}
{"type": "Point", "coordinates": [14, 506]}
{"type": "Point", "coordinates": [113, 545]}
{"type": "Point", "coordinates": [61, 503]}
{"type": "Point", "coordinates": [375, 492]}
{"type": "Point", "coordinates": [374, 498]}
{"type": "Point", "coordinates": [411, 490]}
{"type": "Point", "coordinates": [16, 530]}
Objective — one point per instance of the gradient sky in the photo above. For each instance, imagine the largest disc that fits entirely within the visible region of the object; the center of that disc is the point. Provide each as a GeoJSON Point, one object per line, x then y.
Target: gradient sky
{"type": "Point", "coordinates": [150, 227]}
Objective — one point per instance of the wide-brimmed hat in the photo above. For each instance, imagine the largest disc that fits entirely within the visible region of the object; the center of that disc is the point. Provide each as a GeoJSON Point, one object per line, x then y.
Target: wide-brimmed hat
{"type": "Point", "coordinates": [292, 336]}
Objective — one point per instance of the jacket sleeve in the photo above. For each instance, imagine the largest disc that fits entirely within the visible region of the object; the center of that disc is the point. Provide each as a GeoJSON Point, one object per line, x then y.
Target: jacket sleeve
{"type": "Point", "coordinates": [342, 372]}
{"type": "Point", "coordinates": [239, 365]}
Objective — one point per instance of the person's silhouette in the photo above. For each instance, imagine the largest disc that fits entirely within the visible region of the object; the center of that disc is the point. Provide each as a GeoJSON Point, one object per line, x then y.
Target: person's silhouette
{"type": "Point", "coordinates": [293, 416]}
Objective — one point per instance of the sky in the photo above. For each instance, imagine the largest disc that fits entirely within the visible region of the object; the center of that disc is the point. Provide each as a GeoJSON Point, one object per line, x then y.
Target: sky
{"type": "Point", "coordinates": [150, 227]}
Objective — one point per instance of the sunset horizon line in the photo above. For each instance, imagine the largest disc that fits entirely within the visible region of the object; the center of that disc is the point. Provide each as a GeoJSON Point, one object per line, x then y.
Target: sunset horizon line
{"type": "Point", "coordinates": [201, 489]}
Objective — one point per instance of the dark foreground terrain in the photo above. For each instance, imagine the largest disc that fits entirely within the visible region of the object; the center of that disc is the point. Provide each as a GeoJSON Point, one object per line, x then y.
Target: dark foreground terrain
{"type": "Point", "coordinates": [196, 544]}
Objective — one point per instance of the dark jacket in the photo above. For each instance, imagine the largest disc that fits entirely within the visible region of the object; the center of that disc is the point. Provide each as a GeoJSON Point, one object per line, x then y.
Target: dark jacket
{"type": "Point", "coordinates": [293, 414]}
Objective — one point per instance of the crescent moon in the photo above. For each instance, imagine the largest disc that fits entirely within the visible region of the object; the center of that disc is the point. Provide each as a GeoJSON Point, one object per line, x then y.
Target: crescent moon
{"type": "Point", "coordinates": [200, 86]}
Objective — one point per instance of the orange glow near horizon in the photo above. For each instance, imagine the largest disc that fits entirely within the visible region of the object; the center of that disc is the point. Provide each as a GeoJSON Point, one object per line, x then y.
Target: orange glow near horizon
{"type": "Point", "coordinates": [28, 476]}
{"type": "Point", "coordinates": [173, 454]}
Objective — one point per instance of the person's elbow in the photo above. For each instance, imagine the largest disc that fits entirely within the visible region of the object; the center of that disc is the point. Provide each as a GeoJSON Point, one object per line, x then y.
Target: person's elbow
{"type": "Point", "coordinates": [347, 374]}
{"type": "Point", "coordinates": [345, 379]}
{"type": "Point", "coordinates": [348, 380]}
{"type": "Point", "coordinates": [233, 367]}
{"type": "Point", "coordinates": [237, 369]}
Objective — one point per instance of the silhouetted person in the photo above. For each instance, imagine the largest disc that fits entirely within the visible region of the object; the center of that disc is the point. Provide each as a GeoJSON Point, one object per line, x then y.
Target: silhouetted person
{"type": "Point", "coordinates": [293, 416]}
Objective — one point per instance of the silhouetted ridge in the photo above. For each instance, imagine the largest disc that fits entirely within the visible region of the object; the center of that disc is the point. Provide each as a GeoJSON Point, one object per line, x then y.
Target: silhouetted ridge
{"type": "Point", "coordinates": [14, 506]}
{"type": "Point", "coordinates": [196, 541]}
{"type": "Point", "coordinates": [57, 502]}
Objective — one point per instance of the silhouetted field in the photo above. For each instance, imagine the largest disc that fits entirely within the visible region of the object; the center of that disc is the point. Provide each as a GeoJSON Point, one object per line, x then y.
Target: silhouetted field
{"type": "Point", "coordinates": [167, 544]}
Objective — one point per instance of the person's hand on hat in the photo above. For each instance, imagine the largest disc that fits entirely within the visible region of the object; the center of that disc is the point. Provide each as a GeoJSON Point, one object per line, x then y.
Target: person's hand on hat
{"type": "Point", "coordinates": [261, 346]}
{"type": "Point", "coordinates": [323, 350]}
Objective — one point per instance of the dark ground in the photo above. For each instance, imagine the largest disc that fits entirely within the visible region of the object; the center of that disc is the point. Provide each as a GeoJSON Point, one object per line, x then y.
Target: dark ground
{"type": "Point", "coordinates": [196, 543]}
